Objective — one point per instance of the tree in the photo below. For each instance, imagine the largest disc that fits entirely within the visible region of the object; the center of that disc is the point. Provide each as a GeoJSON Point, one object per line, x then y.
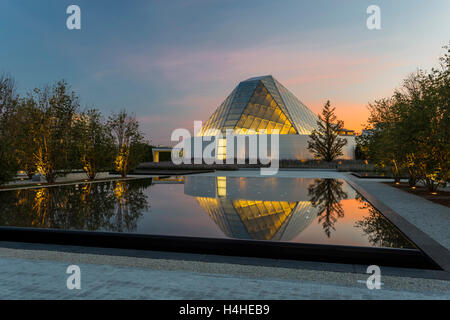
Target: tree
{"type": "Point", "coordinates": [411, 129]}
{"type": "Point", "coordinates": [24, 144]}
{"type": "Point", "coordinates": [56, 109]}
{"type": "Point", "coordinates": [125, 130]}
{"type": "Point", "coordinates": [146, 149]}
{"type": "Point", "coordinates": [325, 142]}
{"type": "Point", "coordinates": [433, 161]}
{"type": "Point", "coordinates": [8, 103]}
{"type": "Point", "coordinates": [379, 146]}
{"type": "Point", "coordinates": [95, 144]}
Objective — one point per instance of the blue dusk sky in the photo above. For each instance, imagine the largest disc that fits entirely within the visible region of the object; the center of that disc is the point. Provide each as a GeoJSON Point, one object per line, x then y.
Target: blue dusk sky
{"type": "Point", "coordinates": [173, 62]}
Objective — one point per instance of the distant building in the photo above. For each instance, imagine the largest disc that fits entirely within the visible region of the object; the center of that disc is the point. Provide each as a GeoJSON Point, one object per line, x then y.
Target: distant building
{"type": "Point", "coordinates": [157, 151]}
{"type": "Point", "coordinates": [262, 105]}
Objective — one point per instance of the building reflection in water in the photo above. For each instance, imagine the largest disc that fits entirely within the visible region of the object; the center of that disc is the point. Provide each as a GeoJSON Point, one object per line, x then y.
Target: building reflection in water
{"type": "Point", "coordinates": [254, 219]}
{"type": "Point", "coordinates": [306, 210]}
{"type": "Point", "coordinates": [259, 220]}
{"type": "Point", "coordinates": [106, 206]}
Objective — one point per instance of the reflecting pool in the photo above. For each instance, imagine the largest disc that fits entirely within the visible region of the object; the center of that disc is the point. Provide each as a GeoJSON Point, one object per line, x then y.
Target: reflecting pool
{"type": "Point", "coordinates": [302, 210]}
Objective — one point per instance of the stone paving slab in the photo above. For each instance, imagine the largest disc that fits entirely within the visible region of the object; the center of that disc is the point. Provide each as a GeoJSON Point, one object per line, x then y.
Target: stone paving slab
{"type": "Point", "coordinates": [25, 279]}
{"type": "Point", "coordinates": [42, 264]}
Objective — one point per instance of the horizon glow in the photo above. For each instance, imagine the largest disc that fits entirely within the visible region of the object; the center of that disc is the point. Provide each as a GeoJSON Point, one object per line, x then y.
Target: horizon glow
{"type": "Point", "coordinates": [173, 63]}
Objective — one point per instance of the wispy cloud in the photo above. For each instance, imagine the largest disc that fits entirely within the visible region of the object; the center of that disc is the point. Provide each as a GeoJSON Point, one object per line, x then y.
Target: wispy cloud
{"type": "Point", "coordinates": [205, 65]}
{"type": "Point", "coordinates": [313, 75]}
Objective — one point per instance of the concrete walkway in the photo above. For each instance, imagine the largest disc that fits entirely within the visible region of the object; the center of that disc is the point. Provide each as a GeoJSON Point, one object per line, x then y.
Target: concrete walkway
{"type": "Point", "coordinates": [41, 274]}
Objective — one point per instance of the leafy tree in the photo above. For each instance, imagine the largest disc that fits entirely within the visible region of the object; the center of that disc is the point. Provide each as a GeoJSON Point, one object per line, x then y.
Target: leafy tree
{"type": "Point", "coordinates": [411, 129]}
{"type": "Point", "coordinates": [434, 157]}
{"type": "Point", "coordinates": [379, 145]}
{"type": "Point", "coordinates": [24, 144]}
{"type": "Point", "coordinates": [325, 142]}
{"type": "Point", "coordinates": [8, 103]}
{"type": "Point", "coordinates": [125, 129]}
{"type": "Point", "coordinates": [95, 144]}
{"type": "Point", "coordinates": [56, 109]}
{"type": "Point", "coordinates": [145, 148]}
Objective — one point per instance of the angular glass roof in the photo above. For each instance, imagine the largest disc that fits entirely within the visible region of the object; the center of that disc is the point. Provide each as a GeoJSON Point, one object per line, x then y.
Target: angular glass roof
{"type": "Point", "coordinates": [261, 104]}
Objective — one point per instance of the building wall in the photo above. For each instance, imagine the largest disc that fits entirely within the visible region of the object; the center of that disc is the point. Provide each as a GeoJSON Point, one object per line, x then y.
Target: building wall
{"type": "Point", "coordinates": [291, 147]}
{"type": "Point", "coordinates": [295, 147]}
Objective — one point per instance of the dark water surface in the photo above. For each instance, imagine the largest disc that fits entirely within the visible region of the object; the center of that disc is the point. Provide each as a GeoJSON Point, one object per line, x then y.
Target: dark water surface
{"type": "Point", "coordinates": [303, 210]}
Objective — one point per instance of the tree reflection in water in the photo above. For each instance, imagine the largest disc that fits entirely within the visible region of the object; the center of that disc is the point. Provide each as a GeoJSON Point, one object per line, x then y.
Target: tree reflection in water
{"type": "Point", "coordinates": [107, 206]}
{"type": "Point", "coordinates": [379, 230]}
{"type": "Point", "coordinates": [131, 201]}
{"type": "Point", "coordinates": [326, 195]}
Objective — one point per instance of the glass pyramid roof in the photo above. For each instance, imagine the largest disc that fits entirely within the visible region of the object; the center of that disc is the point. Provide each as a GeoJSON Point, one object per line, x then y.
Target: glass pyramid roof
{"type": "Point", "coordinates": [258, 105]}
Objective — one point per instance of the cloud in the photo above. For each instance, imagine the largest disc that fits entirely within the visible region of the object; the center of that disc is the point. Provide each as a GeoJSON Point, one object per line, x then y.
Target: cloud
{"type": "Point", "coordinates": [202, 78]}
{"type": "Point", "coordinates": [296, 64]}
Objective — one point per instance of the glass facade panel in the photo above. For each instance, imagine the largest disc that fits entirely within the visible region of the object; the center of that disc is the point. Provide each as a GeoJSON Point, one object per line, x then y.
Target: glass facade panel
{"type": "Point", "coordinates": [244, 92]}
{"type": "Point", "coordinates": [215, 123]}
{"type": "Point", "coordinates": [259, 105]}
{"type": "Point", "coordinates": [262, 114]}
{"type": "Point", "coordinates": [263, 124]}
{"type": "Point", "coordinates": [304, 119]}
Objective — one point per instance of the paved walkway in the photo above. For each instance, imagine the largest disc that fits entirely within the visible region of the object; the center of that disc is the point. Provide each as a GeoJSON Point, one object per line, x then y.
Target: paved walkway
{"type": "Point", "coordinates": [38, 278]}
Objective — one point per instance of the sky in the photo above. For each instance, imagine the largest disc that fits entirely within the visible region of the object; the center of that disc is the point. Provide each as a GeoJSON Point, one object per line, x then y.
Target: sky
{"type": "Point", "coordinates": [172, 62]}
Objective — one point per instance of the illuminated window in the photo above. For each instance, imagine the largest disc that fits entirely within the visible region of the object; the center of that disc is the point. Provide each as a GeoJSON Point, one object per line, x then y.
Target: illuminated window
{"type": "Point", "coordinates": [221, 152]}
{"type": "Point", "coordinates": [221, 183]}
